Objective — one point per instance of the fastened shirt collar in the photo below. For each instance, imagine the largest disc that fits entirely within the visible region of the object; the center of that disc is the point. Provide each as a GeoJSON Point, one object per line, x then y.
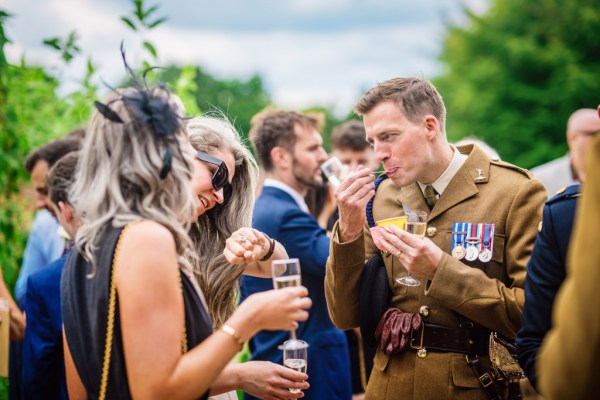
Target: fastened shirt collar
{"type": "Point", "coordinates": [289, 190]}
{"type": "Point", "coordinates": [442, 182]}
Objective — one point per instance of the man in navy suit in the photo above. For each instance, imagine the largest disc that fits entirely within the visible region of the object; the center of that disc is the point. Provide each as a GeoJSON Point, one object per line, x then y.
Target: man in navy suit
{"type": "Point", "coordinates": [289, 147]}
{"type": "Point", "coordinates": [43, 365]}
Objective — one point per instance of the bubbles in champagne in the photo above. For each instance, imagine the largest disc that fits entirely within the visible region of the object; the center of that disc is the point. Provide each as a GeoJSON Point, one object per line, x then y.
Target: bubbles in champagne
{"type": "Point", "coordinates": [416, 228]}
{"type": "Point", "coordinates": [280, 282]}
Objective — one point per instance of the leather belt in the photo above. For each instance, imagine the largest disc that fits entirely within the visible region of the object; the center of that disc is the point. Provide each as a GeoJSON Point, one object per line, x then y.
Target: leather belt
{"type": "Point", "coordinates": [432, 337]}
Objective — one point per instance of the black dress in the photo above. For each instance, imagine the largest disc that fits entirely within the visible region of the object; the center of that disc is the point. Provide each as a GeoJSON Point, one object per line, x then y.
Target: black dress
{"type": "Point", "coordinates": [84, 304]}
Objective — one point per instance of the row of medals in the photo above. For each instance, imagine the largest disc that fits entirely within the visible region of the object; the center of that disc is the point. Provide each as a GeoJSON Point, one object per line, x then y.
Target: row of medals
{"type": "Point", "coordinates": [472, 253]}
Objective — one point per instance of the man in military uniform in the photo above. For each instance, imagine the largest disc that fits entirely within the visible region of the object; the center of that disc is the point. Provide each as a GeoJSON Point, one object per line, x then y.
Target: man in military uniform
{"type": "Point", "coordinates": [568, 359]}
{"type": "Point", "coordinates": [472, 201]}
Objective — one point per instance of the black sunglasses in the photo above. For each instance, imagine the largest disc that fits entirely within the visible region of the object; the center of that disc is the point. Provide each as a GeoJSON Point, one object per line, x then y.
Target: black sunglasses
{"type": "Point", "coordinates": [221, 176]}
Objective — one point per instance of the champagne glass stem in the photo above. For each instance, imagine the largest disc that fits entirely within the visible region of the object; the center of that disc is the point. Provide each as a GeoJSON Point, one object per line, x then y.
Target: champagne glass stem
{"type": "Point", "coordinates": [293, 335]}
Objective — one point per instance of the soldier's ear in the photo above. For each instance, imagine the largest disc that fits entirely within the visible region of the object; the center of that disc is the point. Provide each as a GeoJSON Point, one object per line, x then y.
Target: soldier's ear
{"type": "Point", "coordinates": [432, 126]}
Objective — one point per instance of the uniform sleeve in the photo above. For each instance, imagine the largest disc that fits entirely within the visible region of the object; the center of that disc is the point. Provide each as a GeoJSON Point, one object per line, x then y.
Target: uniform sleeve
{"type": "Point", "coordinates": [545, 274]}
{"type": "Point", "coordinates": [42, 351]}
{"type": "Point", "coordinates": [567, 363]}
{"type": "Point", "coordinates": [488, 301]}
{"type": "Point", "coordinates": [342, 281]}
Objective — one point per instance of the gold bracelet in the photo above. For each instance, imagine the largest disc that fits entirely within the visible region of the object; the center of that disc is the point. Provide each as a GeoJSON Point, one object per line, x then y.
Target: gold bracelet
{"type": "Point", "coordinates": [234, 335]}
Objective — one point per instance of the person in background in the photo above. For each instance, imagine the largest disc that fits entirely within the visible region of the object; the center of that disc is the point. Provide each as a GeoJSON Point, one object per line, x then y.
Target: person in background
{"type": "Point", "coordinates": [563, 172]}
{"type": "Point", "coordinates": [225, 246]}
{"type": "Point", "coordinates": [567, 361]}
{"type": "Point", "coordinates": [438, 346]}
{"type": "Point", "coordinates": [289, 147]}
{"type": "Point", "coordinates": [44, 243]}
{"type": "Point", "coordinates": [135, 321]}
{"type": "Point", "coordinates": [547, 267]}
{"type": "Point", "coordinates": [43, 355]}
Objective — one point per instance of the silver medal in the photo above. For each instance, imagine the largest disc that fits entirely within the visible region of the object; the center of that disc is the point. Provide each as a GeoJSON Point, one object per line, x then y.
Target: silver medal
{"type": "Point", "coordinates": [472, 253]}
{"type": "Point", "coordinates": [485, 255]}
{"type": "Point", "coordinates": [458, 252]}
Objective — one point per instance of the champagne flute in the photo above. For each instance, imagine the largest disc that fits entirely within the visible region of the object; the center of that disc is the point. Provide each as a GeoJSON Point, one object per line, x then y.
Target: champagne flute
{"type": "Point", "coordinates": [286, 273]}
{"type": "Point", "coordinates": [295, 356]}
{"type": "Point", "coordinates": [416, 223]}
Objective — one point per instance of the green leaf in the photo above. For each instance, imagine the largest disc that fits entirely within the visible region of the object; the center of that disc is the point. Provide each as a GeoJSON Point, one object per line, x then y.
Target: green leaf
{"type": "Point", "coordinates": [150, 11]}
{"type": "Point", "coordinates": [139, 9]}
{"type": "Point", "coordinates": [129, 23]}
{"type": "Point", "coordinates": [157, 22]}
{"type": "Point", "coordinates": [151, 49]}
{"type": "Point", "coordinates": [54, 43]}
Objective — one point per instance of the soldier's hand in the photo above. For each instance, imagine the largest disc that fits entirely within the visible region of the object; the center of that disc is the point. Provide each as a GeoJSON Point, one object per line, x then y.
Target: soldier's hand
{"type": "Point", "coordinates": [352, 197]}
{"type": "Point", "coordinates": [420, 256]}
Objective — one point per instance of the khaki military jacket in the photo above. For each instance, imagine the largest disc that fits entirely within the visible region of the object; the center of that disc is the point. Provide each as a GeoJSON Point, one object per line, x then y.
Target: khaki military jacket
{"type": "Point", "coordinates": [568, 360]}
{"type": "Point", "coordinates": [490, 294]}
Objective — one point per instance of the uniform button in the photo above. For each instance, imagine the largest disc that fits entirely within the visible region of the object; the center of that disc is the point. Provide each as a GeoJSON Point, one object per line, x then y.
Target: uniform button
{"type": "Point", "coordinates": [424, 311]}
{"type": "Point", "coordinates": [422, 353]}
{"type": "Point", "coordinates": [431, 231]}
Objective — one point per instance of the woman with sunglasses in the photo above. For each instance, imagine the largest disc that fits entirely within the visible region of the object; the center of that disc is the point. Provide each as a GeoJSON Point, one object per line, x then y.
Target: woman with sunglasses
{"type": "Point", "coordinates": [135, 322]}
{"type": "Point", "coordinates": [221, 157]}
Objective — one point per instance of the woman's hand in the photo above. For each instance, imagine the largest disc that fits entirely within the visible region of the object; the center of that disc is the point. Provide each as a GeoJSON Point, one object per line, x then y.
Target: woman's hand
{"type": "Point", "coordinates": [266, 380]}
{"type": "Point", "coordinates": [274, 309]}
{"type": "Point", "coordinates": [245, 246]}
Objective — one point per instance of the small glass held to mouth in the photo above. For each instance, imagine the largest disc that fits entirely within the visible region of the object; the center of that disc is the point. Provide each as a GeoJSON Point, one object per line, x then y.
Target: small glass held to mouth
{"type": "Point", "coordinates": [333, 170]}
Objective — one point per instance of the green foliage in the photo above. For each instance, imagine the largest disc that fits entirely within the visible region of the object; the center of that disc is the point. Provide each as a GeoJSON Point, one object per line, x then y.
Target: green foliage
{"type": "Point", "coordinates": [11, 238]}
{"type": "Point", "coordinates": [140, 21]}
{"type": "Point", "coordinates": [514, 75]}
{"type": "Point", "coordinates": [67, 47]}
{"type": "Point", "coordinates": [31, 114]}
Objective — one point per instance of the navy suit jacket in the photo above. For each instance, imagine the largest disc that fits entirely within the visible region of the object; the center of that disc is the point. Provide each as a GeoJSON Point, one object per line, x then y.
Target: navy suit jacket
{"type": "Point", "coordinates": [43, 362]}
{"type": "Point", "coordinates": [279, 216]}
{"type": "Point", "coordinates": [546, 271]}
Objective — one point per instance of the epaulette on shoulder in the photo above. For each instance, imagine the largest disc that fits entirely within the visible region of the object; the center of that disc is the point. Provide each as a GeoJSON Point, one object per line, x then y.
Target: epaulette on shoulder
{"type": "Point", "coordinates": [508, 165]}
{"type": "Point", "coordinates": [570, 192]}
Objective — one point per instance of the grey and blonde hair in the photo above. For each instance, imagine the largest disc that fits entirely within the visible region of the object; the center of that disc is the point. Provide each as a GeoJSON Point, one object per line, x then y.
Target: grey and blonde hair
{"type": "Point", "coordinates": [117, 179]}
{"type": "Point", "coordinates": [217, 278]}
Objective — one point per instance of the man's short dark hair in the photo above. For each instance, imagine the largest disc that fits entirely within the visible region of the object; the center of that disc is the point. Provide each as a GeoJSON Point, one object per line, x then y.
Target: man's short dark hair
{"type": "Point", "coordinates": [54, 150]}
{"type": "Point", "coordinates": [272, 128]}
{"type": "Point", "coordinates": [350, 135]}
{"type": "Point", "coordinates": [416, 97]}
{"type": "Point", "coordinates": [61, 176]}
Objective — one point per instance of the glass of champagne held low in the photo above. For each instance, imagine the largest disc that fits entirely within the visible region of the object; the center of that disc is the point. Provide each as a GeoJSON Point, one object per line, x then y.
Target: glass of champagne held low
{"type": "Point", "coordinates": [286, 273]}
{"type": "Point", "coordinates": [295, 356]}
{"type": "Point", "coordinates": [416, 224]}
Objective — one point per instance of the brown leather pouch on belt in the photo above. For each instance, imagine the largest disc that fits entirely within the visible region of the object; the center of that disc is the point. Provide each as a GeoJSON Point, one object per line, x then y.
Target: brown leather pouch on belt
{"type": "Point", "coordinates": [393, 330]}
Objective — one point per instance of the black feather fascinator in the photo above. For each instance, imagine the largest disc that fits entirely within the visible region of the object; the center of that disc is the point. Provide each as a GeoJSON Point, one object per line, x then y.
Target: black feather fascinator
{"type": "Point", "coordinates": [147, 107]}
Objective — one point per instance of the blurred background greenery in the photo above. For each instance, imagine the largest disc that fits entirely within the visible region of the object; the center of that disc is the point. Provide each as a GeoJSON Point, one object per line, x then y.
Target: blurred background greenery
{"type": "Point", "coordinates": [511, 77]}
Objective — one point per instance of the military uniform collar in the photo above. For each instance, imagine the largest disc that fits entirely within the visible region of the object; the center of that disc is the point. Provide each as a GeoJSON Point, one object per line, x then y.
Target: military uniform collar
{"type": "Point", "coordinates": [474, 171]}
{"type": "Point", "coordinates": [441, 183]}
